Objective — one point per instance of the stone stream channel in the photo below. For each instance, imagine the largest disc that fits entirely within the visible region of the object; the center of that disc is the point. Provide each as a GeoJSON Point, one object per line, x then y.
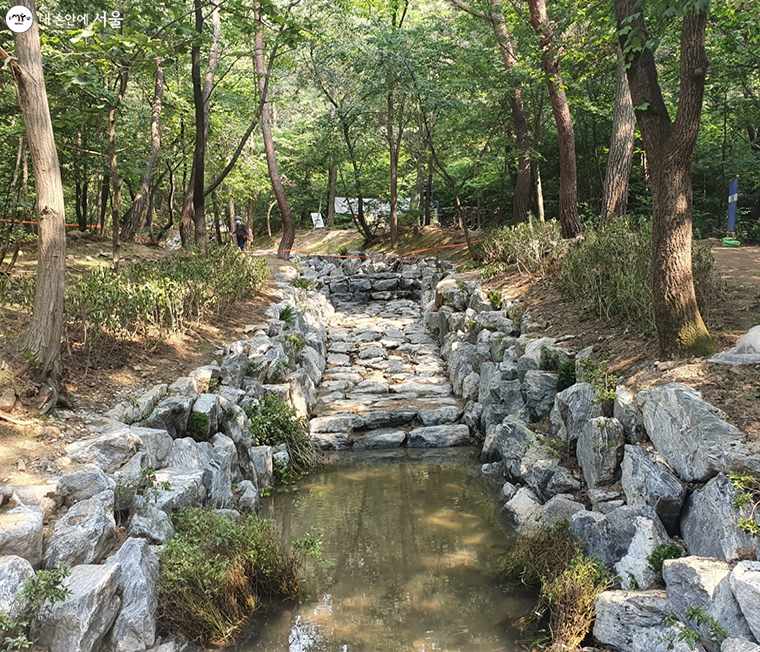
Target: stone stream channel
{"type": "Point", "coordinates": [399, 367]}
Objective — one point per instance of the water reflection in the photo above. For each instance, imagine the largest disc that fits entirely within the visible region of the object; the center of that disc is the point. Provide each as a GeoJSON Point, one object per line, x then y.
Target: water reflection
{"type": "Point", "coordinates": [409, 549]}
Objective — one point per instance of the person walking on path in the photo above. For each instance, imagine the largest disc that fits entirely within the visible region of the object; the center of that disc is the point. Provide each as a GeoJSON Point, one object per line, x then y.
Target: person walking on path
{"type": "Point", "coordinates": [241, 232]}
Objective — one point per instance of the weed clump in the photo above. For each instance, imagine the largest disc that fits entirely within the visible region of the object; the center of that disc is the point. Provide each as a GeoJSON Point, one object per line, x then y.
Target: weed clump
{"type": "Point", "coordinates": [569, 581]}
{"type": "Point", "coordinates": [549, 360]}
{"type": "Point", "coordinates": [272, 422]}
{"type": "Point", "coordinates": [215, 572]}
{"type": "Point", "coordinates": [566, 375]}
{"type": "Point", "coordinates": [662, 552]}
{"type": "Point", "coordinates": [198, 426]}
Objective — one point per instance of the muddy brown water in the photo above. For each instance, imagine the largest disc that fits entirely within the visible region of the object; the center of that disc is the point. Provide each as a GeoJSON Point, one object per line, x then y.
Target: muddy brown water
{"type": "Point", "coordinates": [410, 541]}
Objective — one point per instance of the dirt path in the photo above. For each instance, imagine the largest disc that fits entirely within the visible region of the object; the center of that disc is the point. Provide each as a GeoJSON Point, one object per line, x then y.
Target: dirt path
{"type": "Point", "coordinates": [741, 265]}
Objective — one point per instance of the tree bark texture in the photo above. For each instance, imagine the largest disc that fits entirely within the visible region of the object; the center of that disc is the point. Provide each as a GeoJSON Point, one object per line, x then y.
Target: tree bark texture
{"type": "Point", "coordinates": [568, 174]}
{"type": "Point", "coordinates": [135, 217]}
{"type": "Point", "coordinates": [669, 146]}
{"type": "Point", "coordinates": [199, 154]}
{"type": "Point", "coordinates": [620, 158]}
{"type": "Point", "coordinates": [114, 168]}
{"type": "Point", "coordinates": [43, 336]}
{"type": "Point", "coordinates": [288, 224]}
{"type": "Point", "coordinates": [332, 181]}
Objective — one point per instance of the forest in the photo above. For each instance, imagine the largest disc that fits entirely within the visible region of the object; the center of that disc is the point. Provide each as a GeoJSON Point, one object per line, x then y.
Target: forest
{"type": "Point", "coordinates": [169, 119]}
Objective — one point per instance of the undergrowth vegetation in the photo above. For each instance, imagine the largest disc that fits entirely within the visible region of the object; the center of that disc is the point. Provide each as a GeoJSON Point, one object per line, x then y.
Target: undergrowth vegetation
{"type": "Point", "coordinates": [569, 581]}
{"type": "Point", "coordinates": [215, 572]}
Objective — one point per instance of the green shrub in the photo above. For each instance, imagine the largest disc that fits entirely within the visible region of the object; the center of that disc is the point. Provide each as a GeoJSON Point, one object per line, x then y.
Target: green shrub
{"type": "Point", "coordinates": [609, 271]}
{"type": "Point", "coordinates": [198, 426]}
{"type": "Point", "coordinates": [215, 572]}
{"type": "Point", "coordinates": [288, 315]}
{"type": "Point", "coordinates": [662, 552]}
{"type": "Point", "coordinates": [495, 298]}
{"type": "Point", "coordinates": [272, 422]}
{"type": "Point", "coordinates": [153, 298]}
{"type": "Point", "coordinates": [549, 360]}
{"type": "Point", "coordinates": [37, 595]}
{"type": "Point", "coordinates": [566, 375]}
{"type": "Point", "coordinates": [534, 247]}
{"type": "Point", "coordinates": [343, 250]}
{"type": "Point", "coordinates": [601, 380]}
{"type": "Point", "coordinates": [570, 582]}
{"type": "Point", "coordinates": [746, 486]}
{"type": "Point", "coordinates": [293, 344]}
{"type": "Point", "coordinates": [302, 283]}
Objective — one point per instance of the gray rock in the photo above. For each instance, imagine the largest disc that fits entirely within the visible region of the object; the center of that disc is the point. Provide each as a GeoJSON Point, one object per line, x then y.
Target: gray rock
{"type": "Point", "coordinates": [693, 435]}
{"type": "Point", "coordinates": [312, 363]}
{"type": "Point", "coordinates": [518, 446]}
{"type": "Point", "coordinates": [261, 458]}
{"type": "Point", "coordinates": [80, 623]}
{"type": "Point", "coordinates": [152, 524]}
{"type": "Point", "coordinates": [14, 571]}
{"type": "Point", "coordinates": [378, 419]}
{"type": "Point", "coordinates": [135, 626]}
{"type": "Point", "coordinates": [646, 481]}
{"type": "Point", "coordinates": [184, 386]}
{"type": "Point", "coordinates": [471, 418]}
{"type": "Point", "coordinates": [380, 439]}
{"type": "Point", "coordinates": [330, 441]}
{"type": "Point", "coordinates": [709, 522]}
{"type": "Point", "coordinates": [235, 425]}
{"type": "Point", "coordinates": [634, 569]}
{"type": "Point", "coordinates": [109, 451]}
{"type": "Point", "coordinates": [440, 416]}
{"type": "Point", "coordinates": [204, 375]}
{"type": "Point", "coordinates": [186, 489]}
{"type": "Point", "coordinates": [626, 410]}
{"type": "Point", "coordinates": [505, 399]}
{"type": "Point", "coordinates": [698, 582]}
{"type": "Point", "coordinates": [745, 584]}
{"type": "Point", "coordinates": [39, 495]}
{"type": "Point", "coordinates": [734, 644]}
{"type": "Point", "coordinates": [530, 360]}
{"type": "Point", "coordinates": [573, 407]}
{"type": "Point", "coordinates": [217, 469]}
{"type": "Point", "coordinates": [157, 444]}
{"type": "Point", "coordinates": [540, 389]}
{"type": "Point", "coordinates": [85, 534]}
{"type": "Point", "coordinates": [343, 422]}
{"type": "Point", "coordinates": [622, 615]}
{"type": "Point", "coordinates": [560, 507]}
{"type": "Point", "coordinates": [171, 415]}
{"type": "Point", "coordinates": [609, 536]}
{"type": "Point", "coordinates": [83, 484]}
{"type": "Point", "coordinates": [549, 479]}
{"type": "Point", "coordinates": [204, 417]}
{"type": "Point", "coordinates": [494, 469]}
{"type": "Point", "coordinates": [140, 408]}
{"type": "Point", "coordinates": [584, 354]}
{"type": "Point", "coordinates": [448, 293]}
{"type": "Point", "coordinates": [21, 533]}
{"type": "Point", "coordinates": [229, 396]}
{"type": "Point", "coordinates": [600, 451]}
{"type": "Point", "coordinates": [234, 368]}
{"type": "Point", "coordinates": [439, 436]}
{"type": "Point", "coordinates": [523, 510]}
{"type": "Point", "coordinates": [471, 386]}
{"type": "Point", "coordinates": [508, 490]}
{"type": "Point", "coordinates": [248, 499]}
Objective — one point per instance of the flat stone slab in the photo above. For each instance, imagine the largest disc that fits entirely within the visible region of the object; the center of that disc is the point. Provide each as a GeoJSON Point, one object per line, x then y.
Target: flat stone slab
{"type": "Point", "coordinates": [388, 418]}
{"type": "Point", "coordinates": [336, 423]}
{"type": "Point", "coordinates": [331, 441]}
{"type": "Point", "coordinates": [439, 437]}
{"type": "Point", "coordinates": [424, 389]}
{"type": "Point", "coordinates": [379, 439]}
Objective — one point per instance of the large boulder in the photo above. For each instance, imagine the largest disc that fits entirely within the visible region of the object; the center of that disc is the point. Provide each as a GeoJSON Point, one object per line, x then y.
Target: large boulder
{"type": "Point", "coordinates": [233, 369]}
{"type": "Point", "coordinates": [135, 626]}
{"type": "Point", "coordinates": [448, 292]}
{"type": "Point", "coordinates": [150, 523]}
{"type": "Point", "coordinates": [302, 394]}
{"type": "Point", "coordinates": [83, 484]}
{"type": "Point", "coordinates": [204, 417]}
{"type": "Point", "coordinates": [171, 415]}
{"type": "Point", "coordinates": [540, 388]}
{"type": "Point", "coordinates": [709, 522]}
{"type": "Point", "coordinates": [600, 450]}
{"type": "Point", "coordinates": [380, 439]}
{"type": "Point", "coordinates": [248, 498]}
{"type": "Point", "coordinates": [179, 488]}
{"type": "Point", "coordinates": [648, 481]}
{"type": "Point", "coordinates": [634, 569]}
{"type": "Point", "coordinates": [342, 422]}
{"type": "Point", "coordinates": [189, 454]}
{"type": "Point", "coordinates": [21, 533]}
{"type": "Point", "coordinates": [532, 350]}
{"type": "Point", "coordinates": [80, 623]}
{"type": "Point", "coordinates": [157, 444]}
{"type": "Point", "coordinates": [440, 416]}
{"type": "Point", "coordinates": [263, 464]}
{"type": "Point", "coordinates": [737, 644]}
{"type": "Point", "coordinates": [693, 435]}
{"type": "Point", "coordinates": [85, 534]}
{"type": "Point", "coordinates": [573, 407]}
{"type": "Point", "coordinates": [140, 408]}
{"type": "Point", "coordinates": [109, 451]}
{"type": "Point", "coordinates": [626, 410]}
{"type": "Point", "coordinates": [14, 571]}
{"type": "Point", "coordinates": [703, 583]}
{"type": "Point", "coordinates": [745, 584]}
{"type": "Point", "coordinates": [312, 363]}
{"type": "Point", "coordinates": [439, 436]}
{"type": "Point", "coordinates": [523, 510]}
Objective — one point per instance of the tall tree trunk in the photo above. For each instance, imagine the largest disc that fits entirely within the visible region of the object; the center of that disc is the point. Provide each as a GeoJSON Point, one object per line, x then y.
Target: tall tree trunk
{"type": "Point", "coordinates": [105, 190]}
{"type": "Point", "coordinates": [620, 159]}
{"type": "Point", "coordinates": [269, 217]}
{"type": "Point", "coordinates": [669, 147]}
{"type": "Point", "coordinates": [288, 224]}
{"type": "Point", "coordinates": [191, 226]}
{"type": "Point", "coordinates": [217, 220]}
{"type": "Point", "coordinates": [394, 146]}
{"type": "Point", "coordinates": [199, 156]}
{"type": "Point", "coordinates": [114, 169]}
{"type": "Point", "coordinates": [135, 217]}
{"type": "Point", "coordinates": [332, 181]}
{"type": "Point", "coordinates": [429, 191]}
{"type": "Point", "coordinates": [43, 336]}
{"type": "Point", "coordinates": [231, 218]}
{"type": "Point", "coordinates": [540, 213]}
{"type": "Point", "coordinates": [568, 174]}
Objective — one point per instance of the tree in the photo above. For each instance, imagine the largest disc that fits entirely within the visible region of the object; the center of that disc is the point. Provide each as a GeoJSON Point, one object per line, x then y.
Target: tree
{"type": "Point", "coordinates": [568, 175]}
{"type": "Point", "coordinates": [43, 336]}
{"type": "Point", "coordinates": [288, 224]}
{"type": "Point", "coordinates": [669, 145]}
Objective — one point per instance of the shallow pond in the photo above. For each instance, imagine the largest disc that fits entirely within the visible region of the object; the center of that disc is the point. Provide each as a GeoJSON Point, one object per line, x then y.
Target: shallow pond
{"type": "Point", "coordinates": [409, 548]}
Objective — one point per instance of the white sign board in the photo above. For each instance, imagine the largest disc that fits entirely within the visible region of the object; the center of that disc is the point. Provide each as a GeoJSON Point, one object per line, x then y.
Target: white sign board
{"type": "Point", "coordinates": [317, 219]}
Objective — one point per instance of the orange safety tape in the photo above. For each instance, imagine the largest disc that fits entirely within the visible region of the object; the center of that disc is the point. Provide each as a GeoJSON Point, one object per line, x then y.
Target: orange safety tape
{"type": "Point", "coordinates": [371, 254]}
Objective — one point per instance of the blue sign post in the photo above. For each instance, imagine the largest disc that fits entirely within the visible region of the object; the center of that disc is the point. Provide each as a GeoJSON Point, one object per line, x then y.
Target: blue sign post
{"type": "Point", "coordinates": [733, 197]}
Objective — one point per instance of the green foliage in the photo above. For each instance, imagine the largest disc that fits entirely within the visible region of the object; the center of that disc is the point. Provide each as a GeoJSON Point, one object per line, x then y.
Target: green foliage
{"type": "Point", "coordinates": [198, 426]}
{"type": "Point", "coordinates": [747, 488]}
{"type": "Point", "coordinates": [566, 375]}
{"type": "Point", "coordinates": [601, 380]}
{"type": "Point", "coordinates": [490, 270]}
{"type": "Point", "coordinates": [343, 250]}
{"type": "Point", "coordinates": [569, 581]}
{"type": "Point", "coordinates": [699, 618]}
{"type": "Point", "coordinates": [670, 550]}
{"type": "Point", "coordinates": [610, 272]}
{"type": "Point", "coordinates": [293, 344]}
{"type": "Point", "coordinates": [549, 360]}
{"type": "Point", "coordinates": [533, 247]}
{"type": "Point", "coordinates": [169, 295]}
{"type": "Point", "coordinates": [302, 283]}
{"type": "Point", "coordinates": [272, 422]}
{"type": "Point", "coordinates": [144, 484]}
{"type": "Point", "coordinates": [288, 315]}
{"type": "Point", "coordinates": [215, 572]}
{"type": "Point", "coordinates": [495, 298]}
{"type": "Point", "coordinates": [37, 595]}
